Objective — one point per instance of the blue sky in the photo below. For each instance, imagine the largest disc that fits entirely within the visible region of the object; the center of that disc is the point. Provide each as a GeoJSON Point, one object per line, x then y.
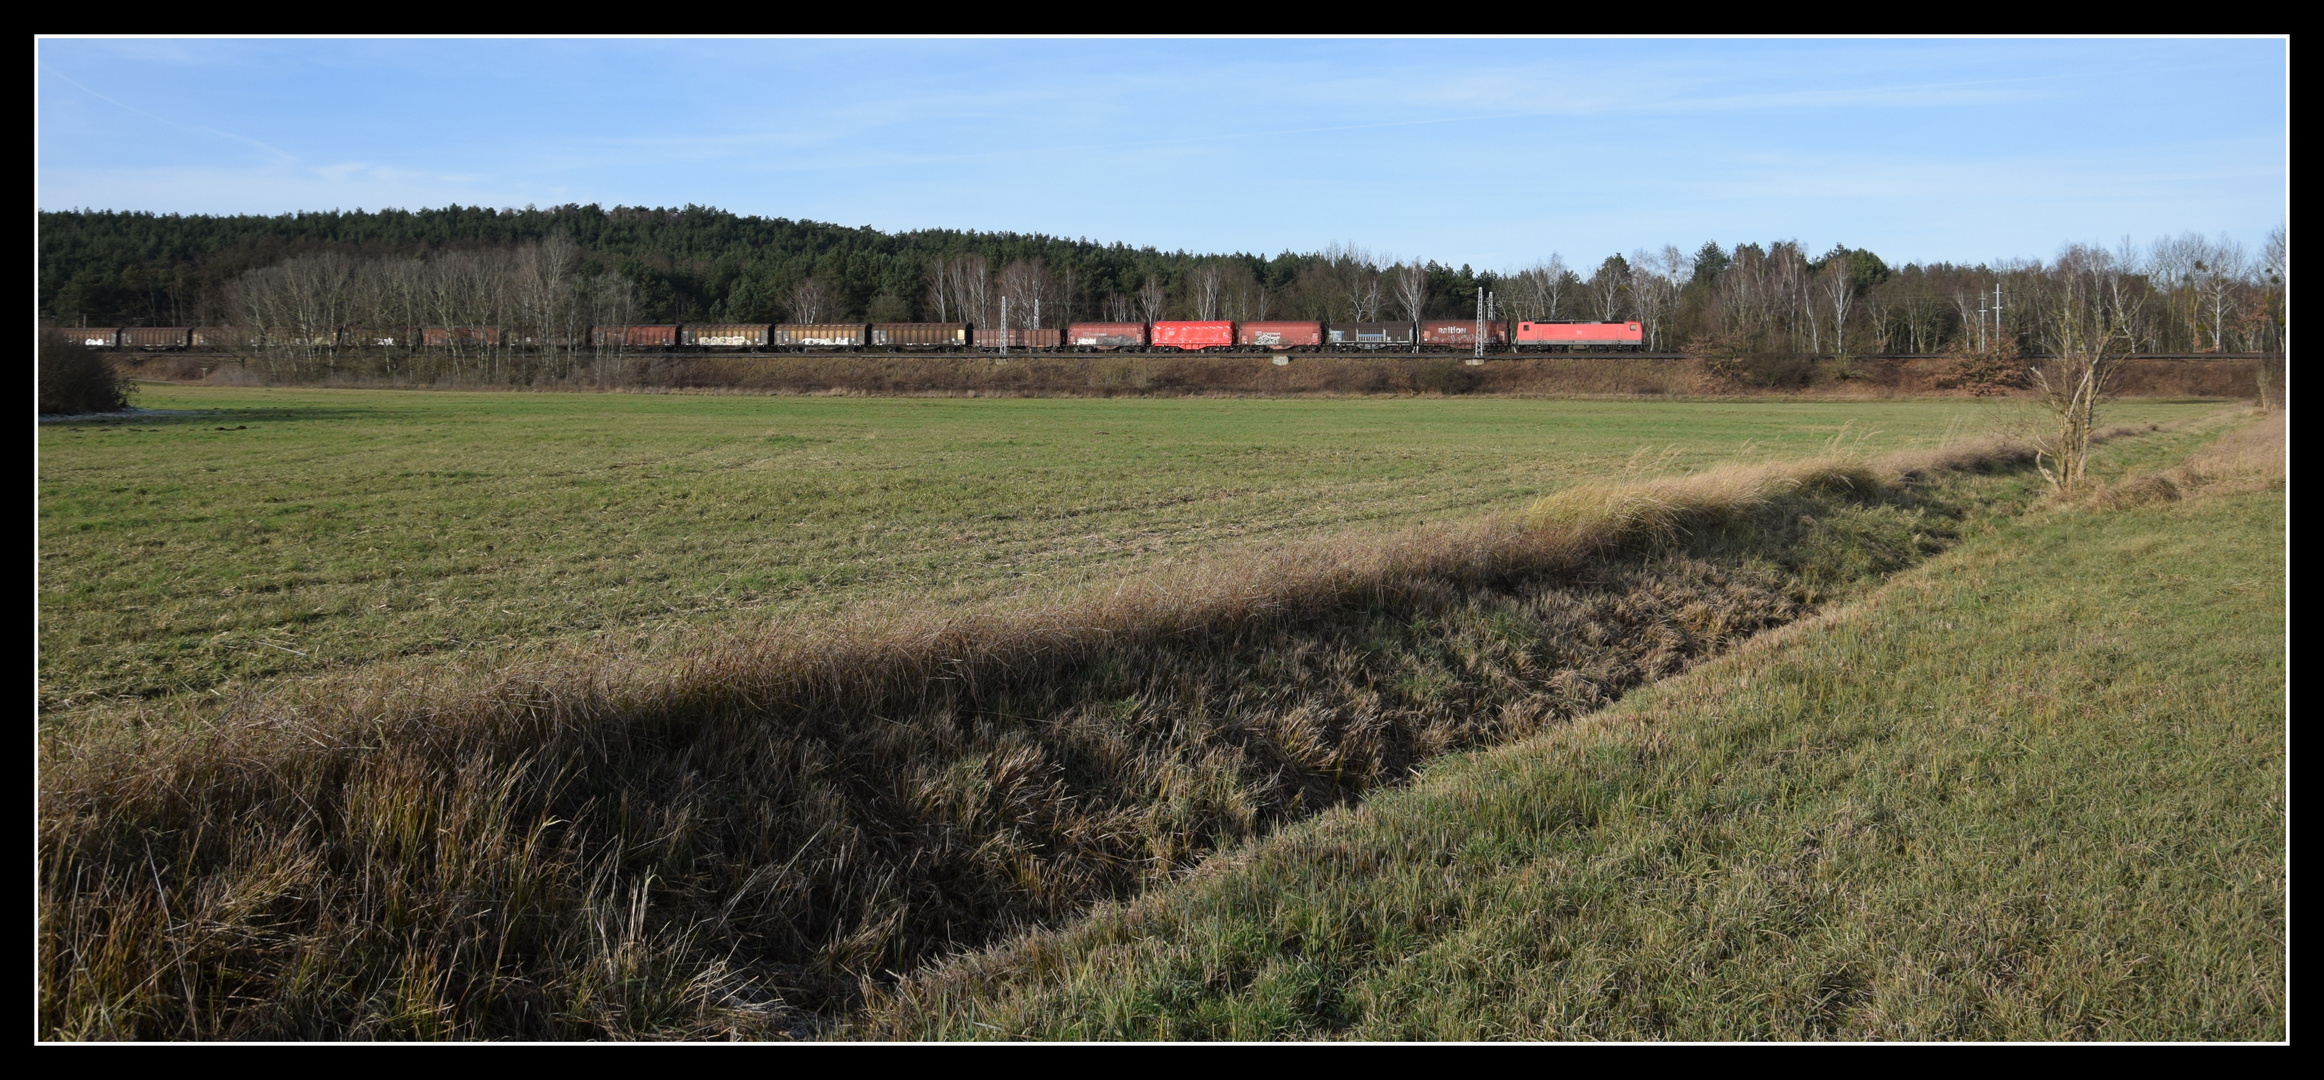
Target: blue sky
{"type": "Point", "coordinates": [1488, 152]}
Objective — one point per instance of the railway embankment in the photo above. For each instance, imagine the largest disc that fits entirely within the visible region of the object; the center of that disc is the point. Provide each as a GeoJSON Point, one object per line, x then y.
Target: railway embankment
{"type": "Point", "coordinates": [1132, 375]}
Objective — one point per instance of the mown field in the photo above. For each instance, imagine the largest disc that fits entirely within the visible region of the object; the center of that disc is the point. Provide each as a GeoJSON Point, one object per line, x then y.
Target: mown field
{"type": "Point", "coordinates": [2033, 789]}
{"type": "Point", "coordinates": [334, 528]}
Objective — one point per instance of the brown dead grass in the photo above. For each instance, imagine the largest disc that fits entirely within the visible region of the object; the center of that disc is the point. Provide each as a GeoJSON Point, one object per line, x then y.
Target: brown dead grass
{"type": "Point", "coordinates": [2249, 458]}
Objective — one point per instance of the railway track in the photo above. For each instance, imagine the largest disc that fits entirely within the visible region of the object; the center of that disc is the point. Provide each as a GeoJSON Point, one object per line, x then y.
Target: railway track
{"type": "Point", "coordinates": [1052, 354]}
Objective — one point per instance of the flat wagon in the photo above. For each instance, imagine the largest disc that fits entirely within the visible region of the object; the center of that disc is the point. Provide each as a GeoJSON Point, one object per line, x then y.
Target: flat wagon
{"type": "Point", "coordinates": [1019, 339]}
{"type": "Point", "coordinates": [818, 335]}
{"type": "Point", "coordinates": [1563, 336]}
{"type": "Point", "coordinates": [1279, 335]}
{"type": "Point", "coordinates": [1190, 336]}
{"type": "Point", "coordinates": [919, 335]}
{"type": "Point", "coordinates": [1106, 335]}
{"type": "Point", "coordinates": [1370, 335]}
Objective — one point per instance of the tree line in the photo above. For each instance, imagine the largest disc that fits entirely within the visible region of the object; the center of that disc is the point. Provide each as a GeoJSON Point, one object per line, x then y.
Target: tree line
{"type": "Point", "coordinates": [544, 273]}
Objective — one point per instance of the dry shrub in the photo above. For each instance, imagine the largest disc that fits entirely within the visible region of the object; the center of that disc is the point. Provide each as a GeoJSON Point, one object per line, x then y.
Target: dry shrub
{"type": "Point", "coordinates": [1984, 372]}
{"type": "Point", "coordinates": [735, 846]}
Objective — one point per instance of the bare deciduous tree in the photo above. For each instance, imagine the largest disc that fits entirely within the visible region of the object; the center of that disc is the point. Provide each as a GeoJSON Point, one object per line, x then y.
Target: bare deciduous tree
{"type": "Point", "coordinates": [1837, 286]}
{"type": "Point", "coordinates": [1655, 281]}
{"type": "Point", "coordinates": [1540, 290]}
{"type": "Point", "coordinates": [2218, 273]}
{"type": "Point", "coordinates": [1609, 287]}
{"type": "Point", "coordinates": [1207, 285]}
{"type": "Point", "coordinates": [1411, 289]}
{"type": "Point", "coordinates": [2088, 338]}
{"type": "Point", "coordinates": [1027, 285]}
{"type": "Point", "coordinates": [810, 301]}
{"type": "Point", "coordinates": [1151, 298]}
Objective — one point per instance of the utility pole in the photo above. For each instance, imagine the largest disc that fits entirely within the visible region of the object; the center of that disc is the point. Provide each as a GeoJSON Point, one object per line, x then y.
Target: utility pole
{"type": "Point", "coordinates": [1004, 326]}
{"type": "Point", "coordinates": [1997, 314]}
{"type": "Point", "coordinates": [1036, 321]}
{"type": "Point", "coordinates": [1480, 322]}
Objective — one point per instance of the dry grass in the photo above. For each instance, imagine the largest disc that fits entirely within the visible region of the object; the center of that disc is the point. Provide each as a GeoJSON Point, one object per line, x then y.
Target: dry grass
{"type": "Point", "coordinates": [2249, 458]}
{"type": "Point", "coordinates": [739, 844]}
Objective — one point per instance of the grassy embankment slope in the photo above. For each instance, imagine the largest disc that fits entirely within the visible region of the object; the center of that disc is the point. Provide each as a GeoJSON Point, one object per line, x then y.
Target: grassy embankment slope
{"type": "Point", "coordinates": [333, 528]}
{"type": "Point", "coordinates": [2032, 789]}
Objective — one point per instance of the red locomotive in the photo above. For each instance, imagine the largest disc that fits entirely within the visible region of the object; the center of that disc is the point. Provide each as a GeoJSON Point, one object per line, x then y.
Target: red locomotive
{"type": "Point", "coordinates": [1567, 336]}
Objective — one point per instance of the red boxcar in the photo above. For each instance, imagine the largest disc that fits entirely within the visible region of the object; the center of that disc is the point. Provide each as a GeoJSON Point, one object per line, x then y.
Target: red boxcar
{"type": "Point", "coordinates": [1106, 335]}
{"type": "Point", "coordinates": [1019, 338]}
{"type": "Point", "coordinates": [1191, 336]}
{"type": "Point", "coordinates": [1461, 333]}
{"type": "Point", "coordinates": [1280, 335]}
{"type": "Point", "coordinates": [633, 337]}
{"type": "Point", "coordinates": [1567, 335]}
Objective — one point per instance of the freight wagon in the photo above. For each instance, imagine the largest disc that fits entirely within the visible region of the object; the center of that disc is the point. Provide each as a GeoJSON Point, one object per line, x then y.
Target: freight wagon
{"type": "Point", "coordinates": [1460, 333]}
{"type": "Point", "coordinates": [919, 335]}
{"type": "Point", "coordinates": [1019, 339]}
{"type": "Point", "coordinates": [1194, 336]}
{"type": "Point", "coordinates": [381, 338]}
{"type": "Point", "coordinates": [1106, 335]}
{"type": "Point", "coordinates": [1280, 335]}
{"type": "Point", "coordinates": [1370, 335]}
{"type": "Point", "coordinates": [221, 337]}
{"type": "Point", "coordinates": [465, 337]}
{"type": "Point", "coordinates": [1566, 336]}
{"type": "Point", "coordinates": [633, 337]}
{"type": "Point", "coordinates": [818, 335]}
{"type": "Point", "coordinates": [95, 337]}
{"type": "Point", "coordinates": [155, 337]}
{"type": "Point", "coordinates": [725, 335]}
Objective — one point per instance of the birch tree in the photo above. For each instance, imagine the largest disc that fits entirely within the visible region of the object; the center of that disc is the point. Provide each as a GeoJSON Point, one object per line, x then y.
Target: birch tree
{"type": "Point", "coordinates": [1206, 286]}
{"type": "Point", "coordinates": [810, 301]}
{"type": "Point", "coordinates": [1412, 289]}
{"type": "Point", "coordinates": [1151, 299]}
{"type": "Point", "coordinates": [1609, 287]}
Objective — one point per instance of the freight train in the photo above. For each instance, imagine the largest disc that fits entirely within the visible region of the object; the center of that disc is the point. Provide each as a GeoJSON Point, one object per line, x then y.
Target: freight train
{"type": "Point", "coordinates": [1200, 336]}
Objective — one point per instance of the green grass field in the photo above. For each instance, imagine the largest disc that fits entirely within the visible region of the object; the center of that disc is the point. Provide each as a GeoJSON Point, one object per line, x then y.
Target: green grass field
{"type": "Point", "coordinates": [2033, 789]}
{"type": "Point", "coordinates": [332, 528]}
